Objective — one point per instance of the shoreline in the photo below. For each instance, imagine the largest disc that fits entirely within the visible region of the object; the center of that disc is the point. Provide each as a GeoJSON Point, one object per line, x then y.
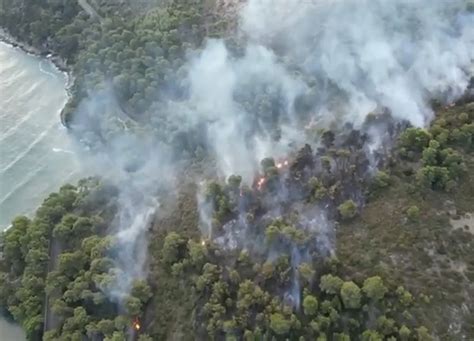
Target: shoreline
{"type": "Point", "coordinates": [59, 63]}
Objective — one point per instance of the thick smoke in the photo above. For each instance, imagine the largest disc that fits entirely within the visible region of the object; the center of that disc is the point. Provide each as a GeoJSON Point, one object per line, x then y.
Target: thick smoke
{"type": "Point", "coordinates": [396, 54]}
{"type": "Point", "coordinates": [305, 64]}
{"type": "Point", "coordinates": [347, 58]}
{"type": "Point", "coordinates": [236, 135]}
{"type": "Point", "coordinates": [322, 64]}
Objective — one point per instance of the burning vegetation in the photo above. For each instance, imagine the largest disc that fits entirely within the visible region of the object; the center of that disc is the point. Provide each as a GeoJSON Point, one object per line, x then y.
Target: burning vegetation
{"type": "Point", "coordinates": [272, 266]}
{"type": "Point", "coordinates": [136, 325]}
{"type": "Point", "coordinates": [281, 275]}
{"type": "Point", "coordinates": [337, 173]}
{"type": "Point", "coordinates": [345, 238]}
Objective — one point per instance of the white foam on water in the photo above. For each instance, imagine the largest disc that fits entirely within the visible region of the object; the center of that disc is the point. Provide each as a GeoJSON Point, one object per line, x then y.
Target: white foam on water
{"type": "Point", "coordinates": [36, 157]}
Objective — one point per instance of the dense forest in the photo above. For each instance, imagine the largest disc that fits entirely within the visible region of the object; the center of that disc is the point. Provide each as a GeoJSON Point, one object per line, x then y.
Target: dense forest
{"type": "Point", "coordinates": [331, 242]}
{"type": "Point", "coordinates": [402, 276]}
{"type": "Point", "coordinates": [134, 51]}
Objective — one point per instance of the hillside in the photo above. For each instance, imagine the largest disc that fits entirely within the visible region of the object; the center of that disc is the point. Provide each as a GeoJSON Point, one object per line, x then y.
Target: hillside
{"type": "Point", "coordinates": [261, 177]}
{"type": "Point", "coordinates": [404, 263]}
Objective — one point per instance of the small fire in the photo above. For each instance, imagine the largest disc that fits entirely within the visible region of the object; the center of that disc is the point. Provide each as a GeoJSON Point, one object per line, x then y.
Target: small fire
{"type": "Point", "coordinates": [136, 325]}
{"type": "Point", "coordinates": [282, 164]}
{"type": "Point", "coordinates": [450, 105]}
{"type": "Point", "coordinates": [203, 242]}
{"type": "Point", "coordinates": [260, 183]}
{"type": "Point", "coordinates": [261, 180]}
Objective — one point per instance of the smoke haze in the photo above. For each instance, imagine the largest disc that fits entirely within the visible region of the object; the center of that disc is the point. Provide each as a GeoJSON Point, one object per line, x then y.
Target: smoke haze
{"type": "Point", "coordinates": [305, 64]}
{"type": "Point", "coordinates": [397, 54]}
{"type": "Point", "coordinates": [346, 58]}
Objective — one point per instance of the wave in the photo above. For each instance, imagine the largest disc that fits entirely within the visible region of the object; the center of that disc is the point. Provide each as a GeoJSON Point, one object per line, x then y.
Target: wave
{"type": "Point", "coordinates": [25, 118]}
{"type": "Point", "coordinates": [28, 178]}
{"type": "Point", "coordinates": [24, 90]}
{"type": "Point", "coordinates": [10, 67]}
{"type": "Point", "coordinates": [59, 150]}
{"type": "Point", "coordinates": [29, 116]}
{"type": "Point", "coordinates": [29, 148]}
{"type": "Point", "coordinates": [5, 78]}
{"type": "Point", "coordinates": [46, 72]}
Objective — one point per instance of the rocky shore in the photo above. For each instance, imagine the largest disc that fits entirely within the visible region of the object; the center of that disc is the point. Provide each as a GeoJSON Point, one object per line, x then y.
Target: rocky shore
{"type": "Point", "coordinates": [57, 61]}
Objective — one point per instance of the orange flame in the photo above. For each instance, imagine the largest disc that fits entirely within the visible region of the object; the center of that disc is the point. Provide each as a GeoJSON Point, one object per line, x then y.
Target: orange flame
{"type": "Point", "coordinates": [282, 164]}
{"type": "Point", "coordinates": [136, 325]}
{"type": "Point", "coordinates": [261, 180]}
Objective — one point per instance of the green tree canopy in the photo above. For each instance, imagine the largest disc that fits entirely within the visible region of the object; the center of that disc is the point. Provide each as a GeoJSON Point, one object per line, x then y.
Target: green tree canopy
{"type": "Point", "coordinates": [350, 294]}
{"type": "Point", "coordinates": [374, 288]}
{"type": "Point", "coordinates": [331, 284]}
{"type": "Point", "coordinates": [279, 324]}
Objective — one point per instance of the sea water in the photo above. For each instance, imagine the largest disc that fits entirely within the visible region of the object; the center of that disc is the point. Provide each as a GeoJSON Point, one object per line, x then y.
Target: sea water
{"type": "Point", "coordinates": [36, 152]}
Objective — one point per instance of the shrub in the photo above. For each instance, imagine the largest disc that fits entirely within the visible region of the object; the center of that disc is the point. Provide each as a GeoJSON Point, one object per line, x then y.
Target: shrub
{"type": "Point", "coordinates": [381, 180]}
{"type": "Point", "coordinates": [267, 163]}
{"type": "Point", "coordinates": [463, 117]}
{"type": "Point", "coordinates": [374, 288]}
{"type": "Point", "coordinates": [453, 161]}
{"type": "Point", "coordinates": [173, 248]}
{"type": "Point", "coordinates": [331, 284]}
{"type": "Point", "coordinates": [234, 181]}
{"type": "Point", "coordinates": [404, 333]}
{"type": "Point", "coordinates": [318, 191]}
{"type": "Point", "coordinates": [310, 305]}
{"type": "Point", "coordinates": [371, 335]}
{"type": "Point", "coordinates": [306, 271]}
{"type": "Point", "coordinates": [415, 139]}
{"type": "Point", "coordinates": [430, 154]}
{"type": "Point", "coordinates": [341, 337]}
{"type": "Point", "coordinates": [385, 325]}
{"type": "Point", "coordinates": [404, 296]}
{"type": "Point", "coordinates": [423, 334]}
{"type": "Point", "coordinates": [350, 294]}
{"type": "Point", "coordinates": [433, 177]}
{"type": "Point", "coordinates": [347, 209]}
{"type": "Point", "coordinates": [463, 137]}
{"type": "Point", "coordinates": [413, 213]}
{"type": "Point", "coordinates": [279, 324]}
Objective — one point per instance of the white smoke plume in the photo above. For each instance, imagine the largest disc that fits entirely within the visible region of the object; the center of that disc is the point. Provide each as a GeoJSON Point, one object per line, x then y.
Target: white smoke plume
{"type": "Point", "coordinates": [398, 54]}
{"type": "Point", "coordinates": [325, 63]}
{"type": "Point", "coordinates": [215, 78]}
{"type": "Point", "coordinates": [305, 63]}
{"type": "Point", "coordinates": [362, 55]}
{"type": "Point", "coordinates": [142, 170]}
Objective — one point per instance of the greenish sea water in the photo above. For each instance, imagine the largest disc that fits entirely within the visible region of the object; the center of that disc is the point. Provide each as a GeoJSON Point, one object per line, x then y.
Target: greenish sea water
{"type": "Point", "coordinates": [36, 152]}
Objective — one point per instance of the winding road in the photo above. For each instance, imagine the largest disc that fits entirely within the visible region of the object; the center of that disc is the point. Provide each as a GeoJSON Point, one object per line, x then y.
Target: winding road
{"type": "Point", "coordinates": [89, 9]}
